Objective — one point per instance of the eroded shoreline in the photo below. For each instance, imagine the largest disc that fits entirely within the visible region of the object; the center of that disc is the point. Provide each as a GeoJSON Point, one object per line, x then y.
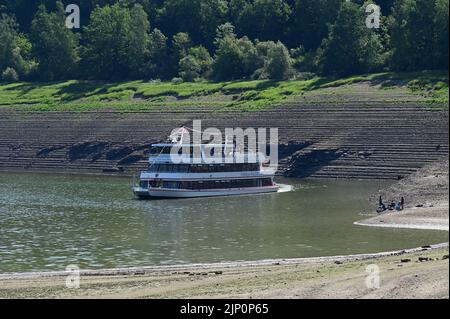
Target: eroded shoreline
{"type": "Point", "coordinates": [320, 277]}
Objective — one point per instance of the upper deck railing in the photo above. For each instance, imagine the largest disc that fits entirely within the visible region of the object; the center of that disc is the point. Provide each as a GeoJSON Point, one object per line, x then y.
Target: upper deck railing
{"type": "Point", "coordinates": [202, 153]}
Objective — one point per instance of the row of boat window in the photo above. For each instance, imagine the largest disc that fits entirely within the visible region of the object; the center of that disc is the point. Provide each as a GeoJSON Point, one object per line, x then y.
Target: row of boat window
{"type": "Point", "coordinates": [219, 184]}
{"type": "Point", "coordinates": [187, 168]}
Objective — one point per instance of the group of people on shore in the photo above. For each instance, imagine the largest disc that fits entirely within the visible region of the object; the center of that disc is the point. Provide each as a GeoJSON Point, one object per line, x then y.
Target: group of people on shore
{"type": "Point", "coordinates": [393, 205]}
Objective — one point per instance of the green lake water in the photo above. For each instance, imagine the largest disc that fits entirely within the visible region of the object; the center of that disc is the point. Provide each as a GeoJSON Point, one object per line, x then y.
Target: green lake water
{"type": "Point", "coordinates": [49, 221]}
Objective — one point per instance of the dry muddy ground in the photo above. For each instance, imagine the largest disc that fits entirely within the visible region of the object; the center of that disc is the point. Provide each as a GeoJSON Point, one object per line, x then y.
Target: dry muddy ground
{"type": "Point", "coordinates": [420, 274]}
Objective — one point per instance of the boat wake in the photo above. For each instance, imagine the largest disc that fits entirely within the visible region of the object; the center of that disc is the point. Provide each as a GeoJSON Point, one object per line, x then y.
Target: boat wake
{"type": "Point", "coordinates": [283, 188]}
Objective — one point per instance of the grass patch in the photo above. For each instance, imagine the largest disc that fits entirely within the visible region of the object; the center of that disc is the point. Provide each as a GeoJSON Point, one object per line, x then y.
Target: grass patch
{"type": "Point", "coordinates": [432, 85]}
{"type": "Point", "coordinates": [243, 95]}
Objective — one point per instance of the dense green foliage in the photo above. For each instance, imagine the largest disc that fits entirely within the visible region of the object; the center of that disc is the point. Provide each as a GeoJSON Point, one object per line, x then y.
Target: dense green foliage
{"type": "Point", "coordinates": [15, 49]}
{"type": "Point", "coordinates": [191, 40]}
{"type": "Point", "coordinates": [420, 35]}
{"type": "Point", "coordinates": [116, 43]}
{"type": "Point", "coordinates": [54, 45]}
{"type": "Point", "coordinates": [351, 47]}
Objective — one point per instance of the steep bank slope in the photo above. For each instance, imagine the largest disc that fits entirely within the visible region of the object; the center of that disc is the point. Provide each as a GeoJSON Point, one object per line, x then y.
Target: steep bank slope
{"type": "Point", "coordinates": [349, 130]}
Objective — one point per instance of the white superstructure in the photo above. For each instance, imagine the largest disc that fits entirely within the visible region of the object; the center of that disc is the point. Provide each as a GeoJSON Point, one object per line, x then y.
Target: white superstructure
{"type": "Point", "coordinates": [195, 174]}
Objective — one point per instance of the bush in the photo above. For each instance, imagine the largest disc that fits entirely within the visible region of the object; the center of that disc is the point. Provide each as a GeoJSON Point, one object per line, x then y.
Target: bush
{"type": "Point", "coordinates": [10, 75]}
{"type": "Point", "coordinates": [274, 61]}
{"type": "Point", "coordinates": [203, 59]}
{"type": "Point", "coordinates": [177, 80]}
{"type": "Point", "coordinates": [279, 63]}
{"type": "Point", "coordinates": [229, 61]}
{"type": "Point", "coordinates": [189, 68]}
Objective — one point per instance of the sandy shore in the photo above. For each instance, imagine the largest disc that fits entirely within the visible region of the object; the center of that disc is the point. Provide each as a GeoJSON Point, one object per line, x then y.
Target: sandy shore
{"type": "Point", "coordinates": [435, 217]}
{"type": "Point", "coordinates": [417, 273]}
{"type": "Point", "coordinates": [426, 193]}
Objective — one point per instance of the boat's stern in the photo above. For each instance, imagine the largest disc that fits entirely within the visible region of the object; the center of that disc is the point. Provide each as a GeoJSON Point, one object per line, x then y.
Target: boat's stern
{"type": "Point", "coordinates": [141, 189]}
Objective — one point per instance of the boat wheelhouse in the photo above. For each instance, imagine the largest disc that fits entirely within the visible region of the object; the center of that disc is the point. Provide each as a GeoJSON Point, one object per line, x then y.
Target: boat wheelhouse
{"type": "Point", "coordinates": [195, 174]}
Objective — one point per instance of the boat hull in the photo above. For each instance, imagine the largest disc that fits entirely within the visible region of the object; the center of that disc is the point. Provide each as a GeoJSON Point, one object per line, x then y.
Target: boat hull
{"type": "Point", "coordinates": [178, 193]}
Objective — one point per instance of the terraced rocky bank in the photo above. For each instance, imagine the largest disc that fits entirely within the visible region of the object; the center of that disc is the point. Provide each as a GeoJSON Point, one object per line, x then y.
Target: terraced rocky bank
{"type": "Point", "coordinates": [358, 130]}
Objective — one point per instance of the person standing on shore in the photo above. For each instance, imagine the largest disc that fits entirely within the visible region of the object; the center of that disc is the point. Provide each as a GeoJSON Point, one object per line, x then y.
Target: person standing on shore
{"type": "Point", "coordinates": [381, 207]}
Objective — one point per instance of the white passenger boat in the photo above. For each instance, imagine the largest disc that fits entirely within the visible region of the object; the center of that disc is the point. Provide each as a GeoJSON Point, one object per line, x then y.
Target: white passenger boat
{"type": "Point", "coordinates": [196, 176]}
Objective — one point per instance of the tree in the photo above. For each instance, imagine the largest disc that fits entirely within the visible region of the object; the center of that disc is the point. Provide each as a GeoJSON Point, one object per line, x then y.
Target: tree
{"type": "Point", "coordinates": [411, 34]}
{"type": "Point", "coordinates": [199, 18]}
{"type": "Point", "coordinates": [181, 43]}
{"type": "Point", "coordinates": [441, 35]}
{"type": "Point", "coordinates": [249, 56]}
{"type": "Point", "coordinates": [204, 60]}
{"type": "Point", "coordinates": [178, 16]}
{"type": "Point", "coordinates": [212, 14]}
{"type": "Point", "coordinates": [235, 58]}
{"type": "Point", "coordinates": [139, 41]}
{"type": "Point", "coordinates": [106, 39]}
{"type": "Point", "coordinates": [189, 68]}
{"type": "Point", "coordinates": [419, 35]}
{"type": "Point", "coordinates": [235, 10]}
{"type": "Point", "coordinates": [228, 62]}
{"type": "Point", "coordinates": [223, 31]}
{"type": "Point", "coordinates": [351, 47]}
{"type": "Point", "coordinates": [279, 62]}
{"type": "Point", "coordinates": [273, 62]}
{"type": "Point", "coordinates": [264, 19]}
{"type": "Point", "coordinates": [15, 49]}
{"type": "Point", "coordinates": [116, 42]}
{"type": "Point", "coordinates": [158, 63]}
{"type": "Point", "coordinates": [24, 11]}
{"type": "Point", "coordinates": [386, 6]}
{"type": "Point", "coordinates": [311, 20]}
{"type": "Point", "coordinates": [10, 75]}
{"type": "Point", "coordinates": [241, 58]}
{"type": "Point", "coordinates": [54, 45]}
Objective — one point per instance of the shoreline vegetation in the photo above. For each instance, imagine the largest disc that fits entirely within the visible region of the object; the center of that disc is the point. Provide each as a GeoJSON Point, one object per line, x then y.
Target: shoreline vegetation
{"type": "Point", "coordinates": [427, 88]}
{"type": "Point", "coordinates": [248, 39]}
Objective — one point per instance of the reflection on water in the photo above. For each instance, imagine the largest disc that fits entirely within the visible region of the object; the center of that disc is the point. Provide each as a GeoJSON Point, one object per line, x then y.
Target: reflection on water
{"type": "Point", "coordinates": [50, 221]}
